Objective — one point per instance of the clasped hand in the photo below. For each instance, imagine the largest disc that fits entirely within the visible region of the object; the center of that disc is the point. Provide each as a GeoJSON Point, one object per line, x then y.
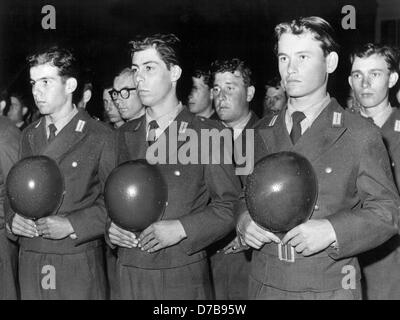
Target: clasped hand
{"type": "Point", "coordinates": [307, 238]}
{"type": "Point", "coordinates": [159, 235]}
{"type": "Point", "coordinates": [52, 227]}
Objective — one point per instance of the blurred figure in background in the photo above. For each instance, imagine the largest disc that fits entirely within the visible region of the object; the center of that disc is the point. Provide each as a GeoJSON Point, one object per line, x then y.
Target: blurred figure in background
{"type": "Point", "coordinates": [111, 114]}
{"type": "Point", "coordinates": [275, 97]}
{"type": "Point", "coordinates": [17, 111]}
{"type": "Point", "coordinates": [200, 98]}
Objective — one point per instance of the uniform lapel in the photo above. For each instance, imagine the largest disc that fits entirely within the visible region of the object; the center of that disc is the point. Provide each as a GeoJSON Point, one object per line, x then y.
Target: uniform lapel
{"type": "Point", "coordinates": [135, 138]}
{"type": "Point", "coordinates": [391, 131]}
{"type": "Point", "coordinates": [183, 121]}
{"type": "Point", "coordinates": [69, 136]}
{"type": "Point", "coordinates": [275, 136]}
{"type": "Point", "coordinates": [323, 133]}
{"type": "Point", "coordinates": [37, 137]}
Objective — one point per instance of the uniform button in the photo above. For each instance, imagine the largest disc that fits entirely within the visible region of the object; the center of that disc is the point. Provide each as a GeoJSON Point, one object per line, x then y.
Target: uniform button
{"type": "Point", "coordinates": [328, 170]}
{"type": "Point", "coordinates": [74, 164]}
{"type": "Point", "coordinates": [316, 208]}
{"type": "Point", "coordinates": [393, 164]}
{"type": "Point", "coordinates": [177, 173]}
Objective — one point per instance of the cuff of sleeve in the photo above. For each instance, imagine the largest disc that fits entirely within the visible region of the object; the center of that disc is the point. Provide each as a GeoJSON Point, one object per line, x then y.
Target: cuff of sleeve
{"type": "Point", "coordinates": [79, 229]}
{"type": "Point", "coordinates": [337, 221]}
{"type": "Point", "coordinates": [189, 228]}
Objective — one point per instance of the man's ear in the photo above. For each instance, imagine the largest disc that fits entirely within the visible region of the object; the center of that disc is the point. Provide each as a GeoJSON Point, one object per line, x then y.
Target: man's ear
{"type": "Point", "coordinates": [394, 76]}
{"type": "Point", "coordinates": [350, 82]}
{"type": "Point", "coordinates": [24, 111]}
{"type": "Point", "coordinates": [250, 93]}
{"type": "Point", "coordinates": [176, 72]}
{"type": "Point", "coordinates": [87, 94]}
{"type": "Point", "coordinates": [71, 85]}
{"type": "Point", "coordinates": [2, 105]}
{"type": "Point", "coordinates": [211, 94]}
{"type": "Point", "coordinates": [332, 60]}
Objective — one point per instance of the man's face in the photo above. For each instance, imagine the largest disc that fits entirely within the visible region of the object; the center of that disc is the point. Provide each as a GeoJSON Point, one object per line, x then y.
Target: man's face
{"type": "Point", "coordinates": [110, 108]}
{"type": "Point", "coordinates": [128, 108]}
{"type": "Point", "coordinates": [302, 65]}
{"type": "Point", "coordinates": [153, 79]}
{"type": "Point", "coordinates": [15, 112]}
{"type": "Point", "coordinates": [230, 95]}
{"type": "Point", "coordinates": [49, 89]}
{"type": "Point", "coordinates": [275, 98]}
{"type": "Point", "coordinates": [200, 96]}
{"type": "Point", "coordinates": [370, 80]}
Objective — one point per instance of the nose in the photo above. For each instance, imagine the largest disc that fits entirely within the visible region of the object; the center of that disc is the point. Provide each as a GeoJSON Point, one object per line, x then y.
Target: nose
{"type": "Point", "coordinates": [365, 82]}
{"type": "Point", "coordinates": [222, 95]}
{"type": "Point", "coordinates": [108, 106]}
{"type": "Point", "coordinates": [139, 77]}
{"type": "Point", "coordinates": [35, 90]}
{"type": "Point", "coordinates": [291, 66]}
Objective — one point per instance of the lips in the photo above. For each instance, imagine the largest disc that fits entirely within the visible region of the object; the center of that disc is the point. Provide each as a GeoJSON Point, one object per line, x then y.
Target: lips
{"type": "Point", "coordinates": [292, 81]}
{"type": "Point", "coordinates": [367, 94]}
{"type": "Point", "coordinates": [143, 92]}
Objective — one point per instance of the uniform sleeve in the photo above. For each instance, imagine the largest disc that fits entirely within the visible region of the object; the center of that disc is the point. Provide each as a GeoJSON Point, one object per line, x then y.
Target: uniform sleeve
{"type": "Point", "coordinates": [9, 146]}
{"type": "Point", "coordinates": [90, 223]}
{"type": "Point", "coordinates": [218, 218]}
{"type": "Point", "coordinates": [8, 212]}
{"type": "Point", "coordinates": [376, 218]}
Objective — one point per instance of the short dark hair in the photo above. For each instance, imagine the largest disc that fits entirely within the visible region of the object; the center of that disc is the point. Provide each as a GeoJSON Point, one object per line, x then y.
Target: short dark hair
{"type": "Point", "coordinates": [389, 53]}
{"type": "Point", "coordinates": [232, 65]}
{"type": "Point", "coordinates": [61, 58]}
{"type": "Point", "coordinates": [274, 82]}
{"type": "Point", "coordinates": [205, 73]}
{"type": "Point", "coordinates": [318, 27]}
{"type": "Point", "coordinates": [167, 46]}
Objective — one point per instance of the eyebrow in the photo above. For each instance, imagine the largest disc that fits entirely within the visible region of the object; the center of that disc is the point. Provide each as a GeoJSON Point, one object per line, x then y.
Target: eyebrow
{"type": "Point", "coordinates": [144, 63]}
{"type": "Point", "coordinates": [298, 52]}
{"type": "Point", "coordinates": [372, 70]}
{"type": "Point", "coordinates": [43, 78]}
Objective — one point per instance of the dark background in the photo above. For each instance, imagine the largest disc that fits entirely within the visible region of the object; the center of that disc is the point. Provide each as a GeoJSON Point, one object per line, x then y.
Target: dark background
{"type": "Point", "coordinates": [209, 29]}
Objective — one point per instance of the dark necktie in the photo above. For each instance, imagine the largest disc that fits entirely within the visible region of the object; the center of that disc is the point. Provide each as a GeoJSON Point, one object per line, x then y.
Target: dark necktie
{"type": "Point", "coordinates": [52, 130]}
{"type": "Point", "coordinates": [153, 126]}
{"type": "Point", "coordinates": [295, 134]}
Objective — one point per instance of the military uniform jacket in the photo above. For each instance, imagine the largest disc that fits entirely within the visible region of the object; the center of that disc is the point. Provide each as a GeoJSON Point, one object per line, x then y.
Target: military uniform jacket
{"type": "Point", "coordinates": [9, 144]}
{"type": "Point", "coordinates": [190, 188]}
{"type": "Point", "coordinates": [356, 194]}
{"type": "Point", "coordinates": [381, 266]}
{"type": "Point", "coordinates": [84, 151]}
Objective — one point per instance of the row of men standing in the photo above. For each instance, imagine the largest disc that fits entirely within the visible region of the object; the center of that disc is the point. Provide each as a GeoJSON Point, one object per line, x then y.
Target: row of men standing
{"type": "Point", "coordinates": [356, 210]}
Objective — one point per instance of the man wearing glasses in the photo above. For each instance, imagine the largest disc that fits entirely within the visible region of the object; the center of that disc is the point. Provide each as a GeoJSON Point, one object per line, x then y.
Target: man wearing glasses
{"type": "Point", "coordinates": [125, 96]}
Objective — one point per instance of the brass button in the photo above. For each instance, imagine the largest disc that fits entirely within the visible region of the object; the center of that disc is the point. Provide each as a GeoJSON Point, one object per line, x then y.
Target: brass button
{"type": "Point", "coordinates": [328, 170]}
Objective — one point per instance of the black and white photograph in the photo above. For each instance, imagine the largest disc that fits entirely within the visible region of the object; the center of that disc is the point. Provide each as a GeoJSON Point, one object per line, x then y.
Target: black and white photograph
{"type": "Point", "coordinates": [212, 151]}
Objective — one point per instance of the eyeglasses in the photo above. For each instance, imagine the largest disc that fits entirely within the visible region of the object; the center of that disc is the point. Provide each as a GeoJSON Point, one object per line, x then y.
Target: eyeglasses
{"type": "Point", "coordinates": [124, 93]}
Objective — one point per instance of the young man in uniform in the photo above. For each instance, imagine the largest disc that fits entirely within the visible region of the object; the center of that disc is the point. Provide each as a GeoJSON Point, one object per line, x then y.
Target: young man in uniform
{"type": "Point", "coordinates": [200, 97]}
{"type": "Point", "coordinates": [233, 90]}
{"type": "Point", "coordinates": [168, 259]}
{"type": "Point", "coordinates": [374, 72]}
{"type": "Point", "coordinates": [9, 144]}
{"type": "Point", "coordinates": [357, 205]}
{"type": "Point", "coordinates": [61, 256]}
